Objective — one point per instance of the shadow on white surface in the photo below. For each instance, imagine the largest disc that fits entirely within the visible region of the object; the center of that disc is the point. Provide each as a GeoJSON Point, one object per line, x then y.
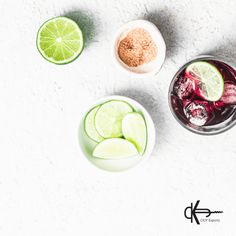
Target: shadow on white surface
{"type": "Point", "coordinates": [225, 51]}
{"type": "Point", "coordinates": [166, 23]}
{"type": "Point", "coordinates": [86, 22]}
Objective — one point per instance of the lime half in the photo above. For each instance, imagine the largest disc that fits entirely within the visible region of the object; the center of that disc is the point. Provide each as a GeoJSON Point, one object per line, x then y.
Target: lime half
{"type": "Point", "coordinates": [60, 40]}
{"type": "Point", "coordinates": [209, 80]}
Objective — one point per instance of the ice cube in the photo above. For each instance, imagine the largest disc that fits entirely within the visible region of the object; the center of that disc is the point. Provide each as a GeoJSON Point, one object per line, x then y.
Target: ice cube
{"type": "Point", "coordinates": [198, 112]}
{"type": "Point", "coordinates": [229, 96]}
{"type": "Point", "coordinates": [184, 87]}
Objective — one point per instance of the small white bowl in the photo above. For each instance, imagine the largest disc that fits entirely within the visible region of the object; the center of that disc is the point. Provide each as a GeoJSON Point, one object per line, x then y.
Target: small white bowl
{"type": "Point", "coordinates": [87, 145]}
{"type": "Point", "coordinates": [148, 69]}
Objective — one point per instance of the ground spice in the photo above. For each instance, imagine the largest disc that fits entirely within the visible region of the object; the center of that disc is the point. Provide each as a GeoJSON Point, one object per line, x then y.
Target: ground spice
{"type": "Point", "coordinates": [137, 48]}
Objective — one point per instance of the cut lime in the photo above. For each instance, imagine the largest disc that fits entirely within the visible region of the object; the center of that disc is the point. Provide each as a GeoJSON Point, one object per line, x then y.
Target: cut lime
{"type": "Point", "coordinates": [115, 148]}
{"type": "Point", "coordinates": [60, 40]}
{"type": "Point", "coordinates": [134, 129]}
{"type": "Point", "coordinates": [90, 127]}
{"type": "Point", "coordinates": [208, 78]}
{"type": "Point", "coordinates": [109, 117]}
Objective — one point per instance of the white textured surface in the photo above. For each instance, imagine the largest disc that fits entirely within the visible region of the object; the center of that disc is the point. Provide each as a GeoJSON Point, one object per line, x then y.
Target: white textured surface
{"type": "Point", "coordinates": [47, 187]}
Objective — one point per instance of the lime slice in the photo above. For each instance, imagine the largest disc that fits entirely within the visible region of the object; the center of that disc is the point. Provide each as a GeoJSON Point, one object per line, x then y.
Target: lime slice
{"type": "Point", "coordinates": [109, 117]}
{"type": "Point", "coordinates": [115, 148]}
{"type": "Point", "coordinates": [209, 80]}
{"type": "Point", "coordinates": [60, 40]}
{"type": "Point", "coordinates": [90, 127]}
{"type": "Point", "coordinates": [134, 129]}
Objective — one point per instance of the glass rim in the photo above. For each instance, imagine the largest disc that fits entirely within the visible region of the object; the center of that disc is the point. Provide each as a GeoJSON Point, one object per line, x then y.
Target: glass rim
{"type": "Point", "coordinates": [191, 129]}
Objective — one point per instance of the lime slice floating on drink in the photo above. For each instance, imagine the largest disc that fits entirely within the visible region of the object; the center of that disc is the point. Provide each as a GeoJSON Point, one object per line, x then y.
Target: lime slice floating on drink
{"type": "Point", "coordinates": [209, 80]}
{"type": "Point", "coordinates": [60, 40]}
{"type": "Point", "coordinates": [108, 118]}
{"type": "Point", "coordinates": [90, 127]}
{"type": "Point", "coordinates": [115, 148]}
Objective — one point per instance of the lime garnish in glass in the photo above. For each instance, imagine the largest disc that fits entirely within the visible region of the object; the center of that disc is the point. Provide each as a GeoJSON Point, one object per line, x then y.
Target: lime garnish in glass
{"type": "Point", "coordinates": [209, 80]}
{"type": "Point", "coordinates": [60, 40]}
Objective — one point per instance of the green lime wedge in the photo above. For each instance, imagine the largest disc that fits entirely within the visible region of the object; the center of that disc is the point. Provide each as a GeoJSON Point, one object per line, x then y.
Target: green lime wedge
{"type": "Point", "coordinates": [90, 127]}
{"type": "Point", "coordinates": [60, 40]}
{"type": "Point", "coordinates": [115, 148]}
{"type": "Point", "coordinates": [109, 117]}
{"type": "Point", "coordinates": [209, 80]}
{"type": "Point", "coordinates": [134, 129]}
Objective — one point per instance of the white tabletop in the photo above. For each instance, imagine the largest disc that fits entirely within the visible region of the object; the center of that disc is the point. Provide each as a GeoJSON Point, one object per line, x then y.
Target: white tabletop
{"type": "Point", "coordinates": [47, 187]}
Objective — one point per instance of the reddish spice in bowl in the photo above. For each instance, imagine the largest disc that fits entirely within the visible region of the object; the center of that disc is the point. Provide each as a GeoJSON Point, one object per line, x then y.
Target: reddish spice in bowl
{"type": "Point", "coordinates": [137, 48]}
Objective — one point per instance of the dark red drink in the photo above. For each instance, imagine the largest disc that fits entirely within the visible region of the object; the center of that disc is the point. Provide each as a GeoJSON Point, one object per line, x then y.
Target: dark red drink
{"type": "Point", "coordinates": [195, 112]}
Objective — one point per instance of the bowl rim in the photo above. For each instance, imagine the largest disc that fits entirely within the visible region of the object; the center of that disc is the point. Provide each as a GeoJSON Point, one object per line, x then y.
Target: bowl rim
{"type": "Point", "coordinates": [199, 132]}
{"type": "Point", "coordinates": [114, 49]}
{"type": "Point", "coordinates": [148, 119]}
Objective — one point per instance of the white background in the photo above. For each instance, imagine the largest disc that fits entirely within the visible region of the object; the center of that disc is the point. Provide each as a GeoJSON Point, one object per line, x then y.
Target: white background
{"type": "Point", "coordinates": [47, 187]}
